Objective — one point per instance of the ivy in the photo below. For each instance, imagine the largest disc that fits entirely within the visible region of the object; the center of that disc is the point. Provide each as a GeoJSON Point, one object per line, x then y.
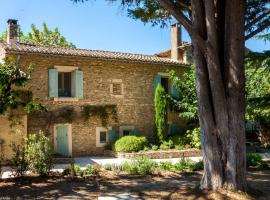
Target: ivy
{"type": "Point", "coordinates": [160, 112]}
{"type": "Point", "coordinates": [102, 111]}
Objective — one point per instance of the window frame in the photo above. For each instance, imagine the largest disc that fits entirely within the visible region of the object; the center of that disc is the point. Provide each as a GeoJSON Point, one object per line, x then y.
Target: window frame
{"type": "Point", "coordinates": [98, 131]}
{"type": "Point", "coordinates": [71, 69]}
{"type": "Point", "coordinates": [117, 81]}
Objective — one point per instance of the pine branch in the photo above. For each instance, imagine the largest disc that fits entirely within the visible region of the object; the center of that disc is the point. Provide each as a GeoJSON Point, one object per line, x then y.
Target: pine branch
{"type": "Point", "coordinates": [258, 30]}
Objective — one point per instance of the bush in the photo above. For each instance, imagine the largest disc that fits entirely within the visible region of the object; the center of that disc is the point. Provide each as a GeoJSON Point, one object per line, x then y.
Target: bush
{"type": "Point", "coordinates": [254, 160]}
{"type": "Point", "coordinates": [184, 165]}
{"type": "Point", "coordinates": [154, 147]}
{"type": "Point", "coordinates": [196, 166]}
{"type": "Point", "coordinates": [19, 163]}
{"type": "Point", "coordinates": [140, 166]}
{"type": "Point", "coordinates": [166, 166]}
{"type": "Point", "coordinates": [39, 153]}
{"type": "Point", "coordinates": [165, 145]}
{"type": "Point", "coordinates": [130, 144]}
{"type": "Point", "coordinates": [179, 140]}
{"type": "Point", "coordinates": [91, 169]}
{"type": "Point", "coordinates": [194, 137]}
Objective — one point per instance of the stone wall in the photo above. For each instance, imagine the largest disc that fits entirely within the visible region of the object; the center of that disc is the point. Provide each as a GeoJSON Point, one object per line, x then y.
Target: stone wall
{"type": "Point", "coordinates": [134, 108]}
{"type": "Point", "coordinates": [11, 131]}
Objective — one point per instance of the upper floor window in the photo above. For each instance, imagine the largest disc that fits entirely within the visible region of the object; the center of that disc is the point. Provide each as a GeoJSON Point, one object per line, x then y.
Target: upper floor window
{"type": "Point", "coordinates": [65, 82]}
{"type": "Point", "coordinates": [116, 88]}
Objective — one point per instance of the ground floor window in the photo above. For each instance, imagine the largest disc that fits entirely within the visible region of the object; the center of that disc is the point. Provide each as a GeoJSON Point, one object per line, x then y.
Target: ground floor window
{"type": "Point", "coordinates": [102, 136]}
{"type": "Point", "coordinates": [126, 130]}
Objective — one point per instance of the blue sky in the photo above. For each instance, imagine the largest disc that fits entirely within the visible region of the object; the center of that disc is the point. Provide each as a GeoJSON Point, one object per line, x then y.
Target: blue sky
{"type": "Point", "coordinates": [94, 25]}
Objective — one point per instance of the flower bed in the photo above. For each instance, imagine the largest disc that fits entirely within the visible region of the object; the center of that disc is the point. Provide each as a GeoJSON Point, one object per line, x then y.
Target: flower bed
{"type": "Point", "coordinates": [172, 153]}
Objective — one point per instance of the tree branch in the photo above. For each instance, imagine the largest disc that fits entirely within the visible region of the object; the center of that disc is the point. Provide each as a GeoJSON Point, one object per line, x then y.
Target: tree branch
{"type": "Point", "coordinates": [249, 25]}
{"type": "Point", "coordinates": [258, 30]}
{"type": "Point", "coordinates": [175, 10]}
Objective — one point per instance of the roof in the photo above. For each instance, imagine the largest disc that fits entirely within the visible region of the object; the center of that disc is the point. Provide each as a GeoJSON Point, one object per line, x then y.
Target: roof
{"type": "Point", "coordinates": [22, 48]}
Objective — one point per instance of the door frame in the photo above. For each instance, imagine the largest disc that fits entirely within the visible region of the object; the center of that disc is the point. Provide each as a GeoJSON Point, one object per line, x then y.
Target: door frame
{"type": "Point", "coordinates": [69, 128]}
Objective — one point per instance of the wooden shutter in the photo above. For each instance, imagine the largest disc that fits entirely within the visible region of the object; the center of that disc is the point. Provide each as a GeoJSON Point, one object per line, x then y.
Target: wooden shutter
{"type": "Point", "coordinates": [174, 91]}
{"type": "Point", "coordinates": [53, 83]}
{"type": "Point", "coordinates": [157, 80]}
{"type": "Point", "coordinates": [78, 84]}
{"type": "Point", "coordinates": [113, 135]}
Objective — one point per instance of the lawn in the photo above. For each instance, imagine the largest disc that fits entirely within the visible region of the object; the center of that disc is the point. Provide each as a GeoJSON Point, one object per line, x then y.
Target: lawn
{"type": "Point", "coordinates": [168, 185]}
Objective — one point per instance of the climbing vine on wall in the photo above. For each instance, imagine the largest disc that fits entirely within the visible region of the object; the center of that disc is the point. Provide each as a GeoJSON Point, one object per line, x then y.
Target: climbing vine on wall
{"type": "Point", "coordinates": [102, 111]}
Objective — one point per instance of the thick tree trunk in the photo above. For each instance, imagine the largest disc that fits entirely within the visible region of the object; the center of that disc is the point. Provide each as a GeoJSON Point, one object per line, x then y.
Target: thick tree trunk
{"type": "Point", "coordinates": [220, 90]}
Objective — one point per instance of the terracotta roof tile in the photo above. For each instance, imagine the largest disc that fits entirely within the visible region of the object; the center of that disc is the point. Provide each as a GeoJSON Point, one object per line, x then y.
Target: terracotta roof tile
{"type": "Point", "coordinates": [40, 49]}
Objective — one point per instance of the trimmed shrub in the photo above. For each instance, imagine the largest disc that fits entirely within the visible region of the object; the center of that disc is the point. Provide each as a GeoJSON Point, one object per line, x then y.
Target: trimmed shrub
{"type": "Point", "coordinates": [254, 160]}
{"type": "Point", "coordinates": [130, 144]}
{"type": "Point", "coordinates": [142, 166]}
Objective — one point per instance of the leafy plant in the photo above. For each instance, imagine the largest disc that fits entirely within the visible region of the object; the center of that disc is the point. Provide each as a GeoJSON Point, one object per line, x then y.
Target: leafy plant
{"type": "Point", "coordinates": [165, 145]}
{"type": "Point", "coordinates": [154, 147]}
{"type": "Point", "coordinates": [142, 166]}
{"type": "Point", "coordinates": [39, 153]}
{"type": "Point", "coordinates": [166, 166]}
{"type": "Point", "coordinates": [184, 165]}
{"type": "Point", "coordinates": [160, 112]}
{"type": "Point", "coordinates": [130, 144]}
{"type": "Point", "coordinates": [19, 162]}
{"type": "Point", "coordinates": [194, 137]}
{"type": "Point", "coordinates": [91, 169]}
{"type": "Point", "coordinates": [254, 160]}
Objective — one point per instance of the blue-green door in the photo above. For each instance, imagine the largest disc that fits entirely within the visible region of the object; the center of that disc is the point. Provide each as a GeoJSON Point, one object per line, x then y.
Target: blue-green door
{"type": "Point", "coordinates": [62, 140]}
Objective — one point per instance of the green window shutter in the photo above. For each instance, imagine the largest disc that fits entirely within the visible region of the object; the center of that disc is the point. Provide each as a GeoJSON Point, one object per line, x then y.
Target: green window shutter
{"type": "Point", "coordinates": [135, 132]}
{"type": "Point", "coordinates": [174, 91]}
{"type": "Point", "coordinates": [113, 135]}
{"type": "Point", "coordinates": [157, 80]}
{"type": "Point", "coordinates": [53, 83]}
{"type": "Point", "coordinates": [78, 84]}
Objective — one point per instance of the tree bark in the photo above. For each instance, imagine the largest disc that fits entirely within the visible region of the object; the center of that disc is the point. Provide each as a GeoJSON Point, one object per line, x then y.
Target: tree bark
{"type": "Point", "coordinates": [220, 91]}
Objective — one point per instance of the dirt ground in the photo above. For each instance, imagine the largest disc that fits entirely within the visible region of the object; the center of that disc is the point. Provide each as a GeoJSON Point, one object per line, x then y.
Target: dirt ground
{"type": "Point", "coordinates": [165, 186]}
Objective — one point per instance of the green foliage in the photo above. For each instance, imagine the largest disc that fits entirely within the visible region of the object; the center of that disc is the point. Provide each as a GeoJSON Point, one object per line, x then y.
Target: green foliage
{"type": "Point", "coordinates": [184, 165]}
{"type": "Point", "coordinates": [154, 147]}
{"type": "Point", "coordinates": [187, 103]}
{"type": "Point", "coordinates": [39, 153]}
{"type": "Point", "coordinates": [165, 145]}
{"type": "Point", "coordinates": [19, 162]}
{"type": "Point", "coordinates": [179, 141]}
{"type": "Point", "coordinates": [258, 87]}
{"type": "Point", "coordinates": [142, 166]}
{"type": "Point", "coordinates": [42, 37]}
{"type": "Point", "coordinates": [166, 166]}
{"type": "Point", "coordinates": [102, 111]}
{"type": "Point", "coordinates": [254, 160]}
{"type": "Point", "coordinates": [34, 106]}
{"type": "Point", "coordinates": [130, 144]}
{"type": "Point", "coordinates": [160, 112]}
{"type": "Point", "coordinates": [91, 169]}
{"type": "Point", "coordinates": [194, 137]}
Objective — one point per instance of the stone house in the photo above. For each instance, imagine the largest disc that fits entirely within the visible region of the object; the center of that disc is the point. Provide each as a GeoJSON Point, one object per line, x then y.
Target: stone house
{"type": "Point", "coordinates": [93, 96]}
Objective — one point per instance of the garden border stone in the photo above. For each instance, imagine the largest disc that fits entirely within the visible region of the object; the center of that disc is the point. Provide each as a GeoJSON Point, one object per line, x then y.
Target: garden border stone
{"type": "Point", "coordinates": [172, 153]}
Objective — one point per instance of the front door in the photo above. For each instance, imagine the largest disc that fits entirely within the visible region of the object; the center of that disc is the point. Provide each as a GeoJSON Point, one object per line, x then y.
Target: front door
{"type": "Point", "coordinates": [62, 140]}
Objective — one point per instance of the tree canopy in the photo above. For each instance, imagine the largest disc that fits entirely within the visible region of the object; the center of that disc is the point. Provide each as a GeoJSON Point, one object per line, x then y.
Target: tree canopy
{"type": "Point", "coordinates": [42, 37]}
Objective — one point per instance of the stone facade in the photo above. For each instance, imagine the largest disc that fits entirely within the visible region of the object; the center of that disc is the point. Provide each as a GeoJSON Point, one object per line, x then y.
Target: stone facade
{"type": "Point", "coordinates": [135, 107]}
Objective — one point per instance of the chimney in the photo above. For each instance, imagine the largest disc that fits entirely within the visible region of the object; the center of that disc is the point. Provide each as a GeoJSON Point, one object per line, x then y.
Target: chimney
{"type": "Point", "coordinates": [176, 41]}
{"type": "Point", "coordinates": [12, 31]}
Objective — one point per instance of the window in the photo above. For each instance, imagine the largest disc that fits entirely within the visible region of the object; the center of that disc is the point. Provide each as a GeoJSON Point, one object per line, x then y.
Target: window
{"type": "Point", "coordinates": [64, 84]}
{"type": "Point", "coordinates": [117, 89]}
{"type": "Point", "coordinates": [102, 137]}
{"type": "Point", "coordinates": [125, 130]}
{"type": "Point", "coordinates": [165, 83]}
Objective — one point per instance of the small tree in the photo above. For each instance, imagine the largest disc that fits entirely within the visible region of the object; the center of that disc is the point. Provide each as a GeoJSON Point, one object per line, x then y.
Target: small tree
{"type": "Point", "coordinates": [42, 37]}
{"type": "Point", "coordinates": [160, 112]}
